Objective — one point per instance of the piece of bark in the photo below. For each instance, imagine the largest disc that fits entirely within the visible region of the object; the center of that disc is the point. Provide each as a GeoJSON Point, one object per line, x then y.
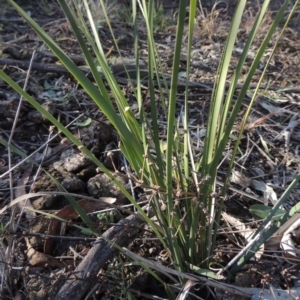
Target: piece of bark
{"type": "Point", "coordinates": [101, 252]}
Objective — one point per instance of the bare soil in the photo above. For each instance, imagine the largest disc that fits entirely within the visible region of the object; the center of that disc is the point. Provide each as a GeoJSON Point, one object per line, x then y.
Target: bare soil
{"type": "Point", "coordinates": [45, 254]}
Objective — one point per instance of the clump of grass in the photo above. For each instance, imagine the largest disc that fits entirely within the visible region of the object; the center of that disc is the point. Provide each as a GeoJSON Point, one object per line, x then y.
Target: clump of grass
{"type": "Point", "coordinates": [180, 188]}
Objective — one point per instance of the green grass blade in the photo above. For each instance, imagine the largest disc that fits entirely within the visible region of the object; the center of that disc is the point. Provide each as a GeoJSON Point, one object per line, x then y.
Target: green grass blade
{"type": "Point", "coordinates": [94, 93]}
{"type": "Point", "coordinates": [171, 130]}
{"type": "Point", "coordinates": [266, 234]}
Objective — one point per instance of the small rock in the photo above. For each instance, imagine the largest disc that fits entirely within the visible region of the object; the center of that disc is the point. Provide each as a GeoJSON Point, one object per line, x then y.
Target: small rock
{"type": "Point", "coordinates": [96, 136]}
{"type": "Point", "coordinates": [73, 184]}
{"type": "Point", "coordinates": [76, 162]}
{"type": "Point", "coordinates": [45, 202]}
{"type": "Point", "coordinates": [59, 166]}
{"type": "Point", "coordinates": [87, 172]}
{"type": "Point", "coordinates": [102, 186]}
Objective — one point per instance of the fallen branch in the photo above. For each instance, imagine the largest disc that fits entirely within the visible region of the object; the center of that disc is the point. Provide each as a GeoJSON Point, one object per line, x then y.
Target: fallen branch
{"type": "Point", "coordinates": [42, 67]}
{"type": "Point", "coordinates": [102, 251]}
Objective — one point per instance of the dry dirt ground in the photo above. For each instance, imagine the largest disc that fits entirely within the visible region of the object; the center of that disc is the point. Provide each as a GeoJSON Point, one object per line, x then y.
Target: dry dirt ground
{"type": "Point", "coordinates": [39, 255]}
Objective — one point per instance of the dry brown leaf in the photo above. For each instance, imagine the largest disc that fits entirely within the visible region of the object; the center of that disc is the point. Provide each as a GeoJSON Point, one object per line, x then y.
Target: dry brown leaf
{"type": "Point", "coordinates": [68, 213]}
{"type": "Point", "coordinates": [244, 231]}
{"type": "Point", "coordinates": [38, 259]}
{"type": "Point", "coordinates": [268, 191]}
{"type": "Point", "coordinates": [240, 179]}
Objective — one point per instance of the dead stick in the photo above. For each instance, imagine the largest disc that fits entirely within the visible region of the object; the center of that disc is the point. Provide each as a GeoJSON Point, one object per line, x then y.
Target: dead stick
{"type": "Point", "coordinates": [101, 252]}
{"type": "Point", "coordinates": [123, 80]}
